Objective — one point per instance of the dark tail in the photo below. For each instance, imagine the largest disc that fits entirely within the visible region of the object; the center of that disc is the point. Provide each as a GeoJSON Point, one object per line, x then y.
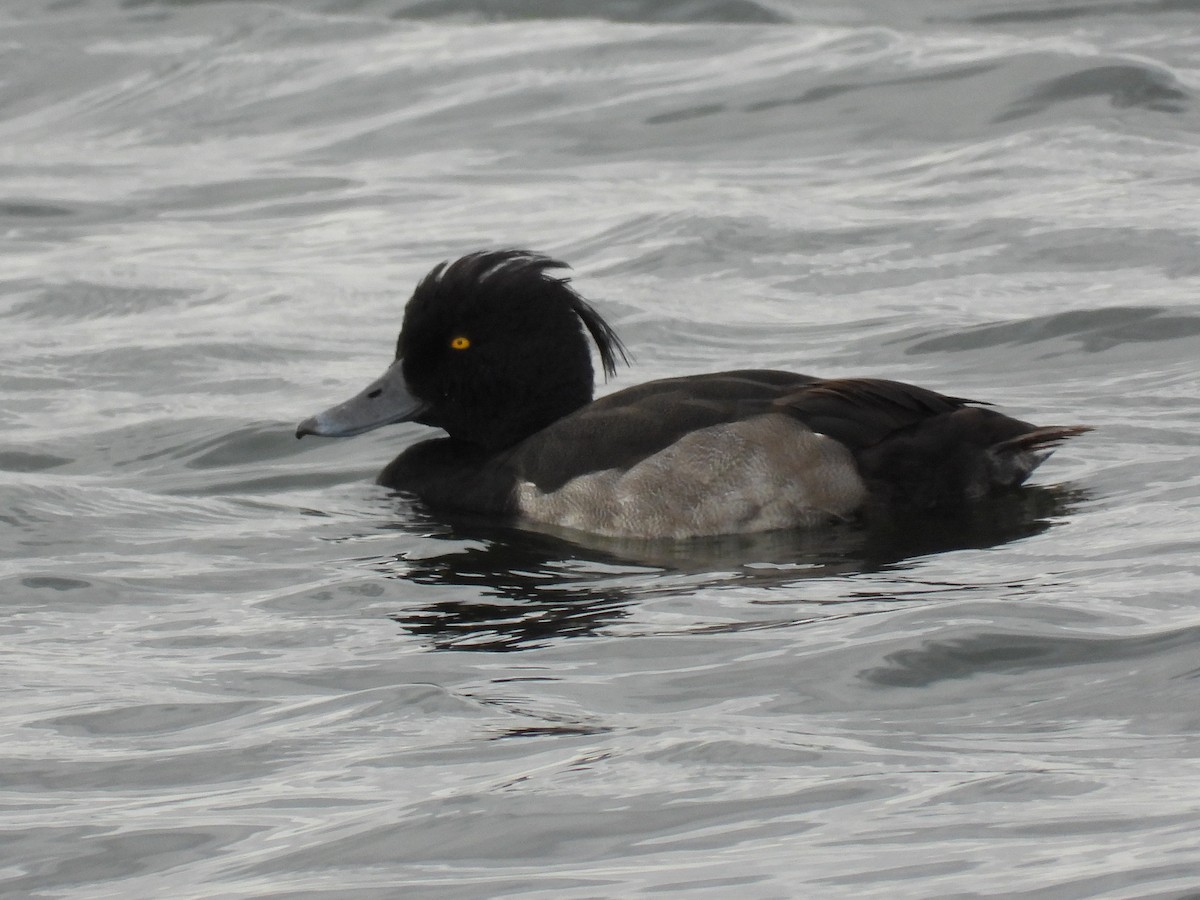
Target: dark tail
{"type": "Point", "coordinates": [1013, 460]}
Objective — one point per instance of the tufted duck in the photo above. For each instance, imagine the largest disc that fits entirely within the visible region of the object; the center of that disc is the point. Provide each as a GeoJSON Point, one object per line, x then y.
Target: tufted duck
{"type": "Point", "coordinates": [494, 351]}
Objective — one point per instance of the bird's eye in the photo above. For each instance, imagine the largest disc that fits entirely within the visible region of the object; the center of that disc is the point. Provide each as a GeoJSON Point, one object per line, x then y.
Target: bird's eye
{"type": "Point", "coordinates": [460, 343]}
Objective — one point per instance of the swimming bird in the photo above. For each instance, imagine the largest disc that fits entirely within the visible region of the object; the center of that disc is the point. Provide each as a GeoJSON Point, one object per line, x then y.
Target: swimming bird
{"type": "Point", "coordinates": [494, 350]}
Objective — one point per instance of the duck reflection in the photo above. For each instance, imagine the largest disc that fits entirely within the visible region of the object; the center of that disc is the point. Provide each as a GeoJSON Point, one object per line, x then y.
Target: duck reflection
{"type": "Point", "coordinates": [526, 588]}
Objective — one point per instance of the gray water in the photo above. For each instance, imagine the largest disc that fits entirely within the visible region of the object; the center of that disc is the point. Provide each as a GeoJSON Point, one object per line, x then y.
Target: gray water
{"type": "Point", "coordinates": [234, 667]}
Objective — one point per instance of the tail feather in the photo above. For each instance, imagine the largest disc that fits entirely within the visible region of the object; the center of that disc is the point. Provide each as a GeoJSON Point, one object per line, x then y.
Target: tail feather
{"type": "Point", "coordinates": [1045, 437]}
{"type": "Point", "coordinates": [1013, 460]}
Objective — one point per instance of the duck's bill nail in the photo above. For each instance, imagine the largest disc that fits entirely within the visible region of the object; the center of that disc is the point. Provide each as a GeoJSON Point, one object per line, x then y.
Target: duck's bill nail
{"type": "Point", "coordinates": [382, 402]}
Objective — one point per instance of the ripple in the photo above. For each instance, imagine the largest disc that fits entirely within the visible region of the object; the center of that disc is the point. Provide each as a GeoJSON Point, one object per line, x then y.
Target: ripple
{"type": "Point", "coordinates": [1094, 330]}
{"type": "Point", "coordinates": [151, 718]}
{"type": "Point", "coordinates": [81, 301]}
{"type": "Point", "coordinates": [1123, 86]}
{"type": "Point", "coordinates": [740, 12]}
{"type": "Point", "coordinates": [1067, 11]}
{"type": "Point", "coordinates": [999, 652]}
{"type": "Point", "coordinates": [30, 461]}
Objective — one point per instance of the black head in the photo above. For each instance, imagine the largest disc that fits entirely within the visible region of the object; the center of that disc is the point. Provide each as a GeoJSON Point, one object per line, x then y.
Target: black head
{"type": "Point", "coordinates": [495, 348]}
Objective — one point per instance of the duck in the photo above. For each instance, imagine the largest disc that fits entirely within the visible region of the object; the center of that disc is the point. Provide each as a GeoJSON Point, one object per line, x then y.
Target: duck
{"type": "Point", "coordinates": [495, 349]}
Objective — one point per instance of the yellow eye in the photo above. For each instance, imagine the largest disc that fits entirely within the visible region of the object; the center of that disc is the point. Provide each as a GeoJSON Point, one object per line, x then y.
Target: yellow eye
{"type": "Point", "coordinates": [460, 343]}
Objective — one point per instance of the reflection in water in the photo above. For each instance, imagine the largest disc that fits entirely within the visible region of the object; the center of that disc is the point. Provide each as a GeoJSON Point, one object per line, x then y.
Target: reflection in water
{"type": "Point", "coordinates": [542, 587]}
{"type": "Point", "coordinates": [529, 587]}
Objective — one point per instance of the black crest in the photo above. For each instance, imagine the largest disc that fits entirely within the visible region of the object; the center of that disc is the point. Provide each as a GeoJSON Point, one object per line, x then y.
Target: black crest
{"type": "Point", "coordinates": [512, 272]}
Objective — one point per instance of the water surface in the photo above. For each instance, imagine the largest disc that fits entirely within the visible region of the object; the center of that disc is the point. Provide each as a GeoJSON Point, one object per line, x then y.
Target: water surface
{"type": "Point", "coordinates": [236, 667]}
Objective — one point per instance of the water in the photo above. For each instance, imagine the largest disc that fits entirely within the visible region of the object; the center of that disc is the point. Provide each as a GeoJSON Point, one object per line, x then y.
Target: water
{"type": "Point", "coordinates": [236, 668]}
